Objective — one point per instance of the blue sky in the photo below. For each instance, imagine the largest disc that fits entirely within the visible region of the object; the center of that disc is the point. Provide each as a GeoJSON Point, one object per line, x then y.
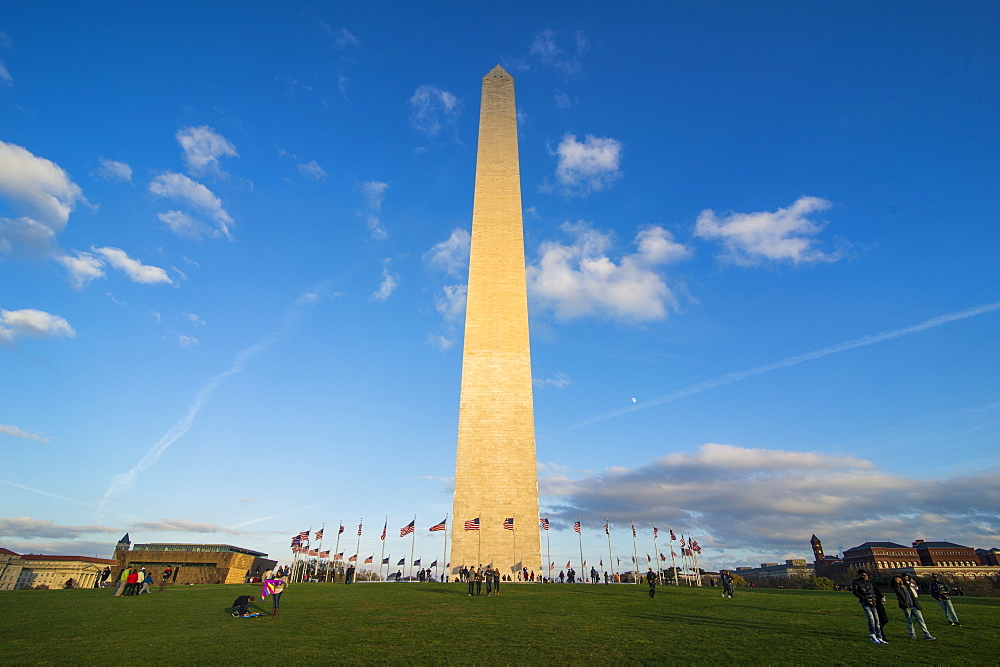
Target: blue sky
{"type": "Point", "coordinates": [762, 256]}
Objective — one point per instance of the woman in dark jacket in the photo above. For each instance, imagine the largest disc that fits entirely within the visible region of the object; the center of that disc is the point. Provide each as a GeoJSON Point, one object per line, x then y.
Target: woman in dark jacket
{"type": "Point", "coordinates": [908, 603]}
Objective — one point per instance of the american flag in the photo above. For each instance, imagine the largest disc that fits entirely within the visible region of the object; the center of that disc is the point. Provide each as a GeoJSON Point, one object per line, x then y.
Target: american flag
{"type": "Point", "coordinates": [672, 536]}
{"type": "Point", "coordinates": [324, 554]}
{"type": "Point", "coordinates": [662, 557]}
{"type": "Point", "coordinates": [656, 532]}
{"type": "Point", "coordinates": [439, 526]}
{"type": "Point", "coordinates": [416, 562]}
{"type": "Point", "coordinates": [314, 552]}
{"type": "Point", "coordinates": [304, 535]}
{"type": "Point", "coordinates": [407, 529]}
{"type": "Point", "coordinates": [648, 559]}
{"type": "Point", "coordinates": [369, 559]}
{"type": "Point", "coordinates": [385, 561]}
{"type": "Point", "coordinates": [682, 541]}
{"type": "Point", "coordinates": [296, 541]}
{"type": "Point", "coordinates": [545, 524]}
{"type": "Point", "coordinates": [687, 552]}
{"type": "Point", "coordinates": [567, 565]}
{"type": "Point", "coordinates": [319, 534]}
{"type": "Point", "coordinates": [472, 524]}
{"type": "Point", "coordinates": [508, 523]}
{"type": "Point", "coordinates": [339, 556]}
{"type": "Point", "coordinates": [607, 529]}
{"type": "Point", "coordinates": [633, 559]}
{"type": "Point", "coordinates": [633, 530]}
{"type": "Point", "coordinates": [434, 564]}
{"type": "Point", "coordinates": [402, 561]}
{"type": "Point", "coordinates": [386, 525]}
{"type": "Point", "coordinates": [353, 559]}
{"type": "Point", "coordinates": [694, 545]}
{"type": "Point", "coordinates": [359, 530]}
{"type": "Point", "coordinates": [576, 527]}
{"type": "Point", "coordinates": [601, 563]}
{"type": "Point", "coordinates": [341, 529]}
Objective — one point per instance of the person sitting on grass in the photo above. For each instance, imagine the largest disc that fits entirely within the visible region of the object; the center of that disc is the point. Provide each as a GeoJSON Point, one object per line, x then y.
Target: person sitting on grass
{"type": "Point", "coordinates": [241, 605]}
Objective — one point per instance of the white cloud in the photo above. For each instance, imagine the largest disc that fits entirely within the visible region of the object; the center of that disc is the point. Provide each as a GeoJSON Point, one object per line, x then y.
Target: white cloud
{"type": "Point", "coordinates": [194, 318]}
{"type": "Point", "coordinates": [450, 302]}
{"type": "Point", "coordinates": [134, 269]}
{"type": "Point", "coordinates": [42, 192]}
{"type": "Point", "coordinates": [344, 39]}
{"type": "Point", "coordinates": [187, 341]}
{"type": "Point", "coordinates": [546, 48]}
{"type": "Point", "coordinates": [180, 525]}
{"type": "Point", "coordinates": [452, 254]}
{"type": "Point", "coordinates": [751, 239]}
{"type": "Point", "coordinates": [32, 528]}
{"type": "Point", "coordinates": [587, 166]}
{"type": "Point", "coordinates": [774, 499]}
{"type": "Point", "coordinates": [390, 282]}
{"type": "Point", "coordinates": [16, 432]}
{"type": "Point", "coordinates": [82, 266]}
{"type": "Point", "coordinates": [433, 110]}
{"type": "Point", "coordinates": [374, 192]}
{"type": "Point", "coordinates": [182, 189]}
{"type": "Point", "coordinates": [581, 280]}
{"type": "Point", "coordinates": [312, 170]}
{"type": "Point", "coordinates": [5, 77]}
{"type": "Point", "coordinates": [203, 147]}
{"type": "Point", "coordinates": [32, 323]}
{"type": "Point", "coordinates": [113, 171]}
{"type": "Point", "coordinates": [440, 341]}
{"type": "Point", "coordinates": [559, 380]}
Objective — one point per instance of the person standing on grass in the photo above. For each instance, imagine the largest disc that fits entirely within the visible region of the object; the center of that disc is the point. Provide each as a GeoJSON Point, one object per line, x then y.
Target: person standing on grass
{"type": "Point", "coordinates": [911, 608]}
{"type": "Point", "coordinates": [727, 584]}
{"type": "Point", "coordinates": [479, 580]}
{"type": "Point", "coordinates": [145, 584]}
{"type": "Point", "coordinates": [132, 583]}
{"type": "Point", "coordinates": [651, 580]}
{"type": "Point", "coordinates": [942, 593]}
{"type": "Point", "coordinates": [867, 593]}
{"type": "Point", "coordinates": [472, 582]}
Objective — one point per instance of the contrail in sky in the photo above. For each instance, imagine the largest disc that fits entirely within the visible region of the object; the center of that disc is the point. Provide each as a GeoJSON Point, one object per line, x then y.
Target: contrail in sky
{"type": "Point", "coordinates": [730, 378]}
{"type": "Point", "coordinates": [126, 480]}
{"type": "Point", "coordinates": [58, 497]}
{"type": "Point", "coordinates": [265, 518]}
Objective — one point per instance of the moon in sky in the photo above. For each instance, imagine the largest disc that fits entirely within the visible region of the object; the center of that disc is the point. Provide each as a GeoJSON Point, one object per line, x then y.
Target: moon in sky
{"type": "Point", "coordinates": [633, 399]}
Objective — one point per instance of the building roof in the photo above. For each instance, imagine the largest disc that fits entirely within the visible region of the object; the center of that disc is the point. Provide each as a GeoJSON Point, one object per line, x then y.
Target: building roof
{"type": "Point", "coordinates": [879, 545]}
{"type": "Point", "coordinates": [180, 546]}
{"type": "Point", "coordinates": [939, 545]}
{"type": "Point", "coordinates": [69, 559]}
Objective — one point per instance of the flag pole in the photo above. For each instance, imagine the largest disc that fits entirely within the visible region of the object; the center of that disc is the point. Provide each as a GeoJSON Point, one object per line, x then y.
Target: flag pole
{"type": "Point", "coordinates": [444, 556]}
{"type": "Point", "coordinates": [479, 548]}
{"type": "Point", "coordinates": [319, 548]}
{"type": "Point", "coordinates": [413, 545]}
{"type": "Point", "coordinates": [514, 537]}
{"type": "Point", "coordinates": [382, 555]}
{"type": "Point", "coordinates": [656, 551]}
{"type": "Point", "coordinates": [548, 540]}
{"type": "Point", "coordinates": [607, 531]}
{"type": "Point", "coordinates": [673, 564]}
{"type": "Point", "coordinates": [582, 566]}
{"type": "Point", "coordinates": [335, 550]}
{"type": "Point", "coordinates": [357, 549]}
{"type": "Point", "coordinates": [635, 556]}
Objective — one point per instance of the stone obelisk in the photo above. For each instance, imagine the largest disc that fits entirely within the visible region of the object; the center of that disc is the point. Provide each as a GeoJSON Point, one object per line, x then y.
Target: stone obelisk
{"type": "Point", "coordinates": [495, 474]}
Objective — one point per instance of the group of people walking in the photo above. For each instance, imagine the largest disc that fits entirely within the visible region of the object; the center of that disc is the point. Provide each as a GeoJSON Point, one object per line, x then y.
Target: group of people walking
{"type": "Point", "coordinates": [907, 593]}
{"type": "Point", "coordinates": [477, 576]}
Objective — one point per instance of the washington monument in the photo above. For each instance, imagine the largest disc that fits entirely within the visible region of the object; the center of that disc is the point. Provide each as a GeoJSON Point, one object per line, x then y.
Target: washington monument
{"type": "Point", "coordinates": [495, 475]}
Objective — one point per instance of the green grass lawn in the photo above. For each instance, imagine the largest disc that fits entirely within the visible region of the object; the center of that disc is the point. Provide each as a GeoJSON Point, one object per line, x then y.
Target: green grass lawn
{"type": "Point", "coordinates": [439, 623]}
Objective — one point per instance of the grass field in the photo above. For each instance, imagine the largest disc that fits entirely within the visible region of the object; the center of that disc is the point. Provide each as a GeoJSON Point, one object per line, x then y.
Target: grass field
{"type": "Point", "coordinates": [439, 623]}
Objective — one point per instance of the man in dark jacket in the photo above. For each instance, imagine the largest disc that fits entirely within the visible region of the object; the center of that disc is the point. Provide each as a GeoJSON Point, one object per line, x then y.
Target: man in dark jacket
{"type": "Point", "coordinates": [651, 580]}
{"type": "Point", "coordinates": [241, 605]}
{"type": "Point", "coordinates": [868, 595]}
{"type": "Point", "coordinates": [941, 593]}
{"type": "Point", "coordinates": [908, 603]}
